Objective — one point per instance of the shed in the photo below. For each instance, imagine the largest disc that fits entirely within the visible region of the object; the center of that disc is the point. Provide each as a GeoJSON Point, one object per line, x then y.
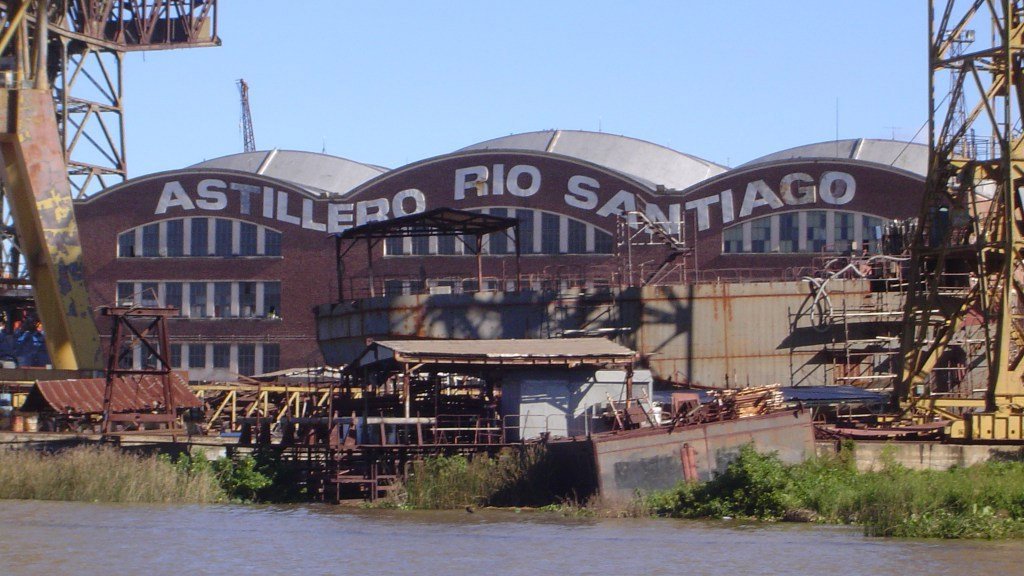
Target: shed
{"type": "Point", "coordinates": [544, 385]}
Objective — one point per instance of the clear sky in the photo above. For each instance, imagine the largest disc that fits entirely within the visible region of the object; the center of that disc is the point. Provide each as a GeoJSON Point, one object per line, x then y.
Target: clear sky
{"type": "Point", "coordinates": [389, 82]}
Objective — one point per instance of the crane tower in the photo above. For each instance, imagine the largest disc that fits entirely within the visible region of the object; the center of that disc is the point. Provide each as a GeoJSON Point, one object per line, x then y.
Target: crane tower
{"type": "Point", "coordinates": [963, 338]}
{"type": "Point", "coordinates": [248, 138]}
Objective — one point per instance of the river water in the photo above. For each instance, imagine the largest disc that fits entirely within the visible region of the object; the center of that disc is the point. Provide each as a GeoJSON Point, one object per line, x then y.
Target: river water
{"type": "Point", "coordinates": [81, 539]}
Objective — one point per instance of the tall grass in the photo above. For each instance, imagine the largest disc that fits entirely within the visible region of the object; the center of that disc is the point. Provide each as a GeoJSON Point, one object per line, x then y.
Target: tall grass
{"type": "Point", "coordinates": [102, 475]}
{"type": "Point", "coordinates": [982, 501]}
{"type": "Point", "coordinates": [511, 478]}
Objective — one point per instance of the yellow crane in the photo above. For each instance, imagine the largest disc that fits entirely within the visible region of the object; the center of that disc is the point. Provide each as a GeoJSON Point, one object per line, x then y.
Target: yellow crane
{"type": "Point", "coordinates": [42, 41]}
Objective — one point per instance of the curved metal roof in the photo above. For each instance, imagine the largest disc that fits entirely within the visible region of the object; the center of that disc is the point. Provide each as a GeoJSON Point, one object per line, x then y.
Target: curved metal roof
{"type": "Point", "coordinates": [332, 174]}
{"type": "Point", "coordinates": [643, 160]}
{"type": "Point", "coordinates": [908, 156]}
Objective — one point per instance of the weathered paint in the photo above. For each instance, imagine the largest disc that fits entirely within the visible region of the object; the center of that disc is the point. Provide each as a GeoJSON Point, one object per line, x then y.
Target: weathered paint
{"type": "Point", "coordinates": [656, 459]}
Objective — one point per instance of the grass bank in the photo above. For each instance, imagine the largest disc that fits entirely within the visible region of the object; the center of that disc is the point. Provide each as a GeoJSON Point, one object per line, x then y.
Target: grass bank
{"type": "Point", "coordinates": [982, 501]}
{"type": "Point", "coordinates": [106, 474]}
{"type": "Point", "coordinates": [520, 477]}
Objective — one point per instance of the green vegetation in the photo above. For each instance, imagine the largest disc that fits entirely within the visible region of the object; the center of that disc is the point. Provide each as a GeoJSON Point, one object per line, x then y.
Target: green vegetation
{"type": "Point", "coordinates": [104, 474]}
{"type": "Point", "coordinates": [983, 501]}
{"type": "Point", "coordinates": [511, 478]}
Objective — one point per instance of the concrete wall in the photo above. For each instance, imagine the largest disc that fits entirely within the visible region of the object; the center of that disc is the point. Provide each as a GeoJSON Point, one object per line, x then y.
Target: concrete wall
{"type": "Point", "coordinates": [923, 455]}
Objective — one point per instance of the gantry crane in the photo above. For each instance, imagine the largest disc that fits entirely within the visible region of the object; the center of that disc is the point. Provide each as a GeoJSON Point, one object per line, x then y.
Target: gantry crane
{"type": "Point", "coordinates": [963, 338]}
{"type": "Point", "coordinates": [44, 123]}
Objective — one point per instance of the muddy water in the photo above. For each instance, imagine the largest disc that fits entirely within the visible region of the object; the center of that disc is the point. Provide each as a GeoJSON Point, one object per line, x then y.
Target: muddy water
{"type": "Point", "coordinates": [58, 538]}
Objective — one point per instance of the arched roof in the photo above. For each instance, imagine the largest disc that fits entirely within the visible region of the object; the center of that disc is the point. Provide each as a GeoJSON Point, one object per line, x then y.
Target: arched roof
{"type": "Point", "coordinates": [905, 155]}
{"type": "Point", "coordinates": [643, 160]}
{"type": "Point", "coordinates": [324, 172]}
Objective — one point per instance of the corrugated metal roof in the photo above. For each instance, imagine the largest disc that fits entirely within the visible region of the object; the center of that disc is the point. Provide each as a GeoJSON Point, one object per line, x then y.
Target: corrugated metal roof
{"type": "Point", "coordinates": [556, 348]}
{"type": "Point", "coordinates": [320, 171]}
{"type": "Point", "coordinates": [131, 394]}
{"type": "Point", "coordinates": [908, 156]}
{"type": "Point", "coordinates": [642, 160]}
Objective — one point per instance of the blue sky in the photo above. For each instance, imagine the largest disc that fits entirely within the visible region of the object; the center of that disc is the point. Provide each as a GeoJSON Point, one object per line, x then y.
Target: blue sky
{"type": "Point", "coordinates": [390, 82]}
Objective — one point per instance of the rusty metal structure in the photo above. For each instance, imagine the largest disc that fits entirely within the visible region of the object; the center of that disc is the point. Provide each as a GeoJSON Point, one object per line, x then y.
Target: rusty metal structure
{"type": "Point", "coordinates": [62, 134]}
{"type": "Point", "coordinates": [965, 289]}
{"type": "Point", "coordinates": [139, 332]}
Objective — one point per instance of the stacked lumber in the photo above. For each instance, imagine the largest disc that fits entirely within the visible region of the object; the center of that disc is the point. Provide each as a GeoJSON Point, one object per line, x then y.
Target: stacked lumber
{"type": "Point", "coordinates": [754, 401]}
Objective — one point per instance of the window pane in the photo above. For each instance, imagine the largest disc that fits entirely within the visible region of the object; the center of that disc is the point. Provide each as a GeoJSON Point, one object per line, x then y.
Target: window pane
{"type": "Point", "coordinates": [246, 359]}
{"type": "Point", "coordinates": [172, 295]}
{"type": "Point", "coordinates": [151, 240]}
{"type": "Point", "coordinates": [844, 225]}
{"type": "Point", "coordinates": [498, 242]}
{"type": "Point", "coordinates": [789, 232]}
{"type": "Point", "coordinates": [272, 299]}
{"type": "Point", "coordinates": [549, 233]}
{"type": "Point", "coordinates": [222, 237]}
{"type": "Point", "coordinates": [761, 235]}
{"type": "Point", "coordinates": [394, 246]}
{"type": "Point", "coordinates": [126, 244]}
{"type": "Point", "coordinates": [525, 230]}
{"type": "Point", "coordinates": [271, 358]}
{"type": "Point", "coordinates": [246, 299]}
{"type": "Point", "coordinates": [247, 239]}
{"type": "Point", "coordinates": [816, 231]}
{"type": "Point", "coordinates": [149, 294]}
{"type": "Point", "coordinates": [871, 229]}
{"type": "Point", "coordinates": [603, 242]}
{"type": "Point", "coordinates": [221, 299]}
{"type": "Point", "coordinates": [272, 243]}
{"type": "Point", "coordinates": [176, 356]}
{"type": "Point", "coordinates": [200, 237]}
{"type": "Point", "coordinates": [125, 293]}
{"type": "Point", "coordinates": [197, 299]}
{"type": "Point", "coordinates": [421, 245]}
{"type": "Point", "coordinates": [446, 245]}
{"type": "Point", "coordinates": [577, 237]}
{"type": "Point", "coordinates": [175, 238]}
{"type": "Point", "coordinates": [221, 355]}
{"type": "Point", "coordinates": [732, 240]}
{"type": "Point", "coordinates": [197, 355]}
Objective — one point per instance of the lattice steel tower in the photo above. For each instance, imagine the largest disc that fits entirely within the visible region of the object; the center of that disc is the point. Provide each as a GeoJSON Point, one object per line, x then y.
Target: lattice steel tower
{"type": "Point", "coordinates": [963, 339]}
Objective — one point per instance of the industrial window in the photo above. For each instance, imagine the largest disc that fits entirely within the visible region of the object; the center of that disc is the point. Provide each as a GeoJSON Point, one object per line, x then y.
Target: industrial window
{"type": "Point", "coordinates": [126, 244]}
{"type": "Point", "coordinates": [732, 239]}
{"type": "Point", "coordinates": [271, 358]}
{"type": "Point", "coordinates": [395, 288]}
{"type": "Point", "coordinates": [871, 234]}
{"type": "Point", "coordinates": [577, 237]}
{"type": "Point", "coordinates": [222, 237]}
{"type": "Point", "coordinates": [246, 359]}
{"type": "Point", "coordinates": [200, 237]}
{"type": "Point", "coordinates": [150, 294]}
{"type": "Point", "coordinates": [247, 299]}
{"type": "Point", "coordinates": [394, 246]}
{"type": "Point", "coordinates": [603, 242]}
{"type": "Point", "coordinates": [421, 245]}
{"type": "Point", "coordinates": [125, 293]}
{"type": "Point", "coordinates": [175, 238]}
{"type": "Point", "coordinates": [151, 240]}
{"type": "Point", "coordinates": [844, 231]}
{"type": "Point", "coordinates": [761, 235]}
{"type": "Point", "coordinates": [197, 355]}
{"type": "Point", "coordinates": [789, 232]}
{"type": "Point", "coordinates": [172, 295]}
{"type": "Point", "coordinates": [222, 355]}
{"type": "Point", "coordinates": [498, 242]}
{"type": "Point", "coordinates": [222, 299]}
{"type": "Point", "coordinates": [271, 243]}
{"type": "Point", "coordinates": [446, 245]}
{"type": "Point", "coordinates": [816, 232]}
{"type": "Point", "coordinates": [550, 233]}
{"type": "Point", "coordinates": [525, 230]}
{"type": "Point", "coordinates": [197, 299]}
{"type": "Point", "coordinates": [176, 356]}
{"type": "Point", "coordinates": [272, 299]}
{"type": "Point", "coordinates": [247, 241]}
